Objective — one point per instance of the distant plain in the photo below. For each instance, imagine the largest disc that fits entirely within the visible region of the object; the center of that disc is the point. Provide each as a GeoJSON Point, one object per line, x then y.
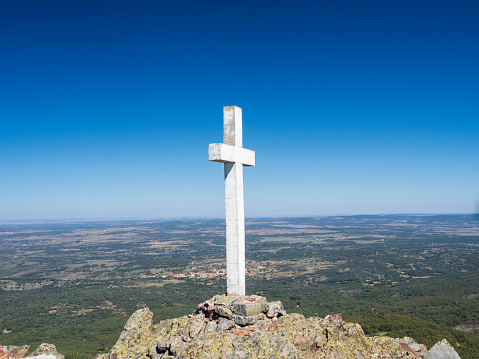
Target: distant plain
{"type": "Point", "coordinates": [74, 283]}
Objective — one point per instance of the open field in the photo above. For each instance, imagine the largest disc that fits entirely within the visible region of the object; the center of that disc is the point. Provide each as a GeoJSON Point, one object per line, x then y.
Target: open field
{"type": "Point", "coordinates": [75, 283]}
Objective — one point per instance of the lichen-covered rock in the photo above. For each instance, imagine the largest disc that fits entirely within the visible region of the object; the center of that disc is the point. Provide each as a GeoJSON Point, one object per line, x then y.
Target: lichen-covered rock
{"type": "Point", "coordinates": [164, 333]}
{"type": "Point", "coordinates": [330, 338]}
{"type": "Point", "coordinates": [47, 349]}
{"type": "Point", "coordinates": [296, 327]}
{"type": "Point", "coordinates": [219, 328]}
{"type": "Point", "coordinates": [222, 300]}
{"type": "Point", "coordinates": [194, 325]}
{"type": "Point", "coordinates": [224, 324]}
{"type": "Point", "coordinates": [442, 350]}
{"type": "Point", "coordinates": [163, 344]}
{"type": "Point", "coordinates": [176, 344]}
{"type": "Point", "coordinates": [263, 345]}
{"type": "Point", "coordinates": [344, 331]}
{"type": "Point", "coordinates": [171, 327]}
{"type": "Point", "coordinates": [209, 346]}
{"type": "Point", "coordinates": [409, 345]}
{"type": "Point", "coordinates": [210, 327]}
{"type": "Point", "coordinates": [244, 321]}
{"type": "Point", "coordinates": [136, 337]}
{"type": "Point", "coordinates": [224, 312]}
{"type": "Point", "coordinates": [13, 352]}
{"type": "Point", "coordinates": [248, 308]}
{"type": "Point", "coordinates": [307, 335]}
{"type": "Point", "coordinates": [206, 306]}
{"type": "Point", "coordinates": [275, 309]}
{"type": "Point", "coordinates": [362, 347]}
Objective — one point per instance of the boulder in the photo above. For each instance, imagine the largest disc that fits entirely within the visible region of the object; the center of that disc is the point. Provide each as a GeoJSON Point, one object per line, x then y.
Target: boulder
{"type": "Point", "coordinates": [224, 324]}
{"type": "Point", "coordinates": [176, 344]}
{"type": "Point", "coordinates": [410, 346]}
{"type": "Point", "coordinates": [224, 312]}
{"type": "Point", "coordinates": [136, 337]}
{"type": "Point", "coordinates": [275, 309]}
{"type": "Point", "coordinates": [194, 325]}
{"type": "Point", "coordinates": [46, 351]}
{"type": "Point", "coordinates": [223, 300]}
{"type": "Point", "coordinates": [248, 308]}
{"type": "Point", "coordinates": [441, 350]}
{"type": "Point", "coordinates": [210, 327]}
{"type": "Point", "coordinates": [13, 352]}
{"type": "Point", "coordinates": [244, 321]}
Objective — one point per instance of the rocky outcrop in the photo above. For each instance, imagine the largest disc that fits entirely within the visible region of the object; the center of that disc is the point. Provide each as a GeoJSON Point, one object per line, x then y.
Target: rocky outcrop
{"type": "Point", "coordinates": [234, 327]}
{"type": "Point", "coordinates": [44, 351]}
{"type": "Point", "coordinates": [249, 327]}
{"type": "Point", "coordinates": [410, 346]}
{"type": "Point", "coordinates": [13, 352]}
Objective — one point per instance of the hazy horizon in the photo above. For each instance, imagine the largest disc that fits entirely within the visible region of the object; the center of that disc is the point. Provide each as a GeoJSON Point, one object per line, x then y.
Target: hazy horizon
{"type": "Point", "coordinates": [187, 218]}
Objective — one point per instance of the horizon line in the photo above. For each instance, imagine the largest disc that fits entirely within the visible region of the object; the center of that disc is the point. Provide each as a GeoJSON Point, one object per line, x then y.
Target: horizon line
{"type": "Point", "coordinates": [176, 218]}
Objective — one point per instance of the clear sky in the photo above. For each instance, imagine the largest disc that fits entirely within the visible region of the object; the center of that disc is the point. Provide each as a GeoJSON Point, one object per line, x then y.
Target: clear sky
{"type": "Point", "coordinates": [352, 107]}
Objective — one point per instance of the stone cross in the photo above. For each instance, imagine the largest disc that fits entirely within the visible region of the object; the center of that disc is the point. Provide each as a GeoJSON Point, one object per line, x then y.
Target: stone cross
{"type": "Point", "coordinates": [234, 157]}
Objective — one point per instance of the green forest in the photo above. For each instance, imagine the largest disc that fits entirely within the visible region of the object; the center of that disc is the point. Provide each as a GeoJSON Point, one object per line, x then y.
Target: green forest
{"type": "Point", "coordinates": [75, 285]}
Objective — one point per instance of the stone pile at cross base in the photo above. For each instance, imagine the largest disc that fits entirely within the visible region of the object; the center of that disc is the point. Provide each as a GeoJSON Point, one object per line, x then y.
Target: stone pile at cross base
{"type": "Point", "coordinates": [249, 327]}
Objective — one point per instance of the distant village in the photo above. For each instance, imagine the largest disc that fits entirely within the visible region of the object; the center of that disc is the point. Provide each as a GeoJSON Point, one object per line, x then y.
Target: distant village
{"type": "Point", "coordinates": [212, 274]}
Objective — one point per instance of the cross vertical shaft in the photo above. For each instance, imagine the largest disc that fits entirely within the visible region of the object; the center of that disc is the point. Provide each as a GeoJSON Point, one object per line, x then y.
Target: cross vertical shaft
{"type": "Point", "coordinates": [235, 229]}
{"type": "Point", "coordinates": [234, 157]}
{"type": "Point", "coordinates": [234, 204]}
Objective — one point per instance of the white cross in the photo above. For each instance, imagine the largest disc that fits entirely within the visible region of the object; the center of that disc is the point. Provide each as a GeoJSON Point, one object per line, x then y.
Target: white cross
{"type": "Point", "coordinates": [234, 156]}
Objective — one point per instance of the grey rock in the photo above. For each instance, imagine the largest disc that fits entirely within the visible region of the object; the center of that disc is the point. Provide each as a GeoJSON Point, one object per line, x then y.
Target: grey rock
{"type": "Point", "coordinates": [261, 325]}
{"type": "Point", "coordinates": [194, 325]}
{"type": "Point", "coordinates": [344, 330]}
{"type": "Point", "coordinates": [249, 309]}
{"type": "Point", "coordinates": [13, 352]}
{"type": "Point", "coordinates": [163, 344]}
{"type": "Point", "coordinates": [244, 321]}
{"type": "Point", "coordinates": [176, 344]}
{"type": "Point", "coordinates": [224, 324]}
{"type": "Point", "coordinates": [205, 306]}
{"type": "Point", "coordinates": [334, 318]}
{"type": "Point", "coordinates": [224, 312]}
{"type": "Point", "coordinates": [222, 300]}
{"type": "Point", "coordinates": [210, 327]}
{"type": "Point", "coordinates": [47, 349]}
{"type": "Point", "coordinates": [409, 345]}
{"type": "Point", "coordinates": [275, 309]}
{"type": "Point", "coordinates": [264, 345]}
{"type": "Point", "coordinates": [442, 350]}
{"type": "Point", "coordinates": [136, 336]}
{"type": "Point", "coordinates": [152, 353]}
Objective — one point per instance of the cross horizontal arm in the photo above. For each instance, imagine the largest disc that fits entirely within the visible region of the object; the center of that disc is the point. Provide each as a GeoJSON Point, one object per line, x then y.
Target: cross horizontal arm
{"type": "Point", "coordinates": [220, 152]}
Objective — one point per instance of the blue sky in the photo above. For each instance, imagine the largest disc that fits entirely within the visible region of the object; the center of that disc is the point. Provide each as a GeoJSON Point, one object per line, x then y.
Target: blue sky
{"type": "Point", "coordinates": [107, 107]}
